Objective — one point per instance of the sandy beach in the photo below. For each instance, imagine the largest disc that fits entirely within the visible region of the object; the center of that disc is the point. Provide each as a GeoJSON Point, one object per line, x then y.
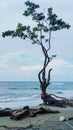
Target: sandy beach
{"type": "Point", "coordinates": [41, 121]}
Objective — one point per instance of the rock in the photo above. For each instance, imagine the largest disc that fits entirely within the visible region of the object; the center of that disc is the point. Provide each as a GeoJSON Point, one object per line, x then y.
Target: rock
{"type": "Point", "coordinates": [62, 118]}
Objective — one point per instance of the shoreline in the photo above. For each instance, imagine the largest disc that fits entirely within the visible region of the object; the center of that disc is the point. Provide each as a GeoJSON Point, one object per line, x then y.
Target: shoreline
{"type": "Point", "coordinates": [17, 94]}
{"type": "Point", "coordinates": [41, 121]}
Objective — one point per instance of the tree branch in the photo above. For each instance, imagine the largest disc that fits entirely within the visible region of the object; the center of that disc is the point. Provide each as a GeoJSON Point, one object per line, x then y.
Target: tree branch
{"type": "Point", "coordinates": [48, 80]}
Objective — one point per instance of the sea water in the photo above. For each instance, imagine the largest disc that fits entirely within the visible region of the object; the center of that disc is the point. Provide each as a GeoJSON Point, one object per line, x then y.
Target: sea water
{"type": "Point", "coordinates": [15, 94]}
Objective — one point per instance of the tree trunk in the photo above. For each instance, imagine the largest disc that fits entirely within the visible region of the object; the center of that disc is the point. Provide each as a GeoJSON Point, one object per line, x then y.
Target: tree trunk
{"type": "Point", "coordinates": [44, 83]}
{"type": "Point", "coordinates": [43, 94]}
{"type": "Point", "coordinates": [43, 90]}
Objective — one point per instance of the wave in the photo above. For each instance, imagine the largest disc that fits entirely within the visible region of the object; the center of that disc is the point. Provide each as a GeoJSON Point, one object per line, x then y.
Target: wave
{"type": "Point", "coordinates": [59, 92]}
{"type": "Point", "coordinates": [65, 93]}
{"type": "Point", "coordinates": [13, 88]}
{"type": "Point", "coordinates": [18, 99]}
{"type": "Point", "coordinates": [58, 83]}
{"type": "Point", "coordinates": [24, 88]}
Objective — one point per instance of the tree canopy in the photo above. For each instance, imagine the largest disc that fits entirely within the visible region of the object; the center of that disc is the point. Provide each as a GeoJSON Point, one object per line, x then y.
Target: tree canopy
{"type": "Point", "coordinates": [44, 23]}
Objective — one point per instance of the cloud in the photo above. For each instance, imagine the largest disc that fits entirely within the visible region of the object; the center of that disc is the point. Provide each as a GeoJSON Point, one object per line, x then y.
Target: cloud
{"type": "Point", "coordinates": [18, 59]}
{"type": "Point", "coordinates": [58, 66]}
{"type": "Point", "coordinates": [20, 66]}
{"type": "Point", "coordinates": [60, 63]}
{"type": "Point", "coordinates": [62, 70]}
{"type": "Point", "coordinates": [30, 68]}
{"type": "Point", "coordinates": [28, 62]}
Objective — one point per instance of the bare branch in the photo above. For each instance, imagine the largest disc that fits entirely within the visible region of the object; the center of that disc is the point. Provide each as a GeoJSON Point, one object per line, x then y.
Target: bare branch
{"type": "Point", "coordinates": [49, 40]}
{"type": "Point", "coordinates": [48, 80]}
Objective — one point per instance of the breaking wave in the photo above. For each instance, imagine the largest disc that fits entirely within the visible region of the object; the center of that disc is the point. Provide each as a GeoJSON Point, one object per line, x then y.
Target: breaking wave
{"type": "Point", "coordinates": [18, 99]}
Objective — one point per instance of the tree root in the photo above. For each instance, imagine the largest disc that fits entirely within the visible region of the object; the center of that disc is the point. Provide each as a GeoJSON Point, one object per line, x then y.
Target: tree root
{"type": "Point", "coordinates": [53, 100]}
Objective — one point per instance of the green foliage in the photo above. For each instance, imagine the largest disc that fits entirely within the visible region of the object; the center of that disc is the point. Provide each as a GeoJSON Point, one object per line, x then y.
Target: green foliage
{"type": "Point", "coordinates": [7, 33]}
{"type": "Point", "coordinates": [38, 16]}
{"type": "Point", "coordinates": [55, 23]}
{"type": "Point", "coordinates": [44, 25]}
{"type": "Point", "coordinates": [31, 7]}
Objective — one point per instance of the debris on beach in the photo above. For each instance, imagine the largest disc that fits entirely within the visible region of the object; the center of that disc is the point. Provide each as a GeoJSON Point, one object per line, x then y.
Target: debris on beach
{"type": "Point", "coordinates": [28, 112]}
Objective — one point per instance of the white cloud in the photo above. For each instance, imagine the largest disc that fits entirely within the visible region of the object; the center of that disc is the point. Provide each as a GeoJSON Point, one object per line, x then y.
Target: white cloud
{"type": "Point", "coordinates": [60, 63]}
{"type": "Point", "coordinates": [20, 61]}
{"type": "Point", "coordinates": [14, 66]}
{"type": "Point", "coordinates": [30, 68]}
{"type": "Point", "coordinates": [55, 64]}
{"type": "Point", "coordinates": [62, 70]}
{"type": "Point", "coordinates": [10, 60]}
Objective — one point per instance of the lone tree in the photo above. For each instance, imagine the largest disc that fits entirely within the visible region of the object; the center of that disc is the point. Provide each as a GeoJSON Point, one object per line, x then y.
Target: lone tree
{"type": "Point", "coordinates": [40, 34]}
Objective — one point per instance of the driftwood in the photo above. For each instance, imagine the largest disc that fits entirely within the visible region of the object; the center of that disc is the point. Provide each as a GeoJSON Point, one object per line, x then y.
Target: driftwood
{"type": "Point", "coordinates": [24, 112]}
{"type": "Point", "coordinates": [42, 110]}
{"type": "Point", "coordinates": [27, 112]}
{"type": "Point", "coordinates": [5, 112]}
{"type": "Point", "coordinates": [53, 100]}
{"type": "Point", "coordinates": [18, 114]}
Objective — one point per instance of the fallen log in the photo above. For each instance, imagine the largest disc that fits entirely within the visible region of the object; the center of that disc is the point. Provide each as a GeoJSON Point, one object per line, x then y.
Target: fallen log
{"type": "Point", "coordinates": [42, 110]}
{"type": "Point", "coordinates": [18, 114]}
{"type": "Point", "coordinates": [5, 112]}
{"type": "Point", "coordinates": [27, 112]}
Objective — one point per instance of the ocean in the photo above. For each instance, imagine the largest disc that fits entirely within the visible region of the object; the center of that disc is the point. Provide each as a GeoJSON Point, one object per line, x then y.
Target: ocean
{"type": "Point", "coordinates": [17, 94]}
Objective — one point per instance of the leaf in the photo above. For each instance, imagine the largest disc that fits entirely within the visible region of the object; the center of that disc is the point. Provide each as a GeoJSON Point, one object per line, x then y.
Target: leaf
{"type": "Point", "coordinates": [54, 56]}
{"type": "Point", "coordinates": [42, 36]}
{"type": "Point", "coordinates": [38, 16]}
{"type": "Point", "coordinates": [45, 29]}
{"type": "Point", "coordinates": [7, 33]}
{"type": "Point", "coordinates": [46, 40]}
{"type": "Point", "coordinates": [31, 7]}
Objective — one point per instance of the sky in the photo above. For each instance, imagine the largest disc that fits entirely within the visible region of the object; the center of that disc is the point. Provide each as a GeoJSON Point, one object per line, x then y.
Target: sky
{"type": "Point", "coordinates": [19, 59]}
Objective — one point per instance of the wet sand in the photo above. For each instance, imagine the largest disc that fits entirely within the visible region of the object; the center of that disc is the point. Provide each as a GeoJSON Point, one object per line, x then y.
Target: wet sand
{"type": "Point", "coordinates": [41, 121]}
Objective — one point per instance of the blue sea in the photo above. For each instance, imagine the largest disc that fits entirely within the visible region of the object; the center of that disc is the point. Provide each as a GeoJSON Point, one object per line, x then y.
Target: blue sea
{"type": "Point", "coordinates": [17, 94]}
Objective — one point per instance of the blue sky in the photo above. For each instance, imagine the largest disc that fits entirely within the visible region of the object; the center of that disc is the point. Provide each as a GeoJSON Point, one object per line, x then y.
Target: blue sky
{"type": "Point", "coordinates": [19, 60]}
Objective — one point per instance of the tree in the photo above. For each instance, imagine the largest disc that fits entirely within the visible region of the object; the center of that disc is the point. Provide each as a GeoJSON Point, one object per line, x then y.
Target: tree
{"type": "Point", "coordinates": [40, 34]}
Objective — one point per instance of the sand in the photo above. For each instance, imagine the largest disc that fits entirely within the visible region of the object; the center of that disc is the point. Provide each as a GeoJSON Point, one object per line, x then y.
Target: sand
{"type": "Point", "coordinates": [41, 121]}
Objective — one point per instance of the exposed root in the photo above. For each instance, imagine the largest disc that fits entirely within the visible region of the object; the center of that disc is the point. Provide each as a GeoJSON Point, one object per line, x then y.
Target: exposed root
{"type": "Point", "coordinates": [52, 99]}
{"type": "Point", "coordinates": [59, 97]}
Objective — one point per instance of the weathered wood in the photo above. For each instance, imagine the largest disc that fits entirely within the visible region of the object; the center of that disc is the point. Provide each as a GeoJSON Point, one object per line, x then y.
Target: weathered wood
{"type": "Point", "coordinates": [18, 114]}
{"type": "Point", "coordinates": [27, 112]}
{"type": "Point", "coordinates": [49, 100]}
{"type": "Point", "coordinates": [5, 112]}
{"type": "Point", "coordinates": [42, 110]}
